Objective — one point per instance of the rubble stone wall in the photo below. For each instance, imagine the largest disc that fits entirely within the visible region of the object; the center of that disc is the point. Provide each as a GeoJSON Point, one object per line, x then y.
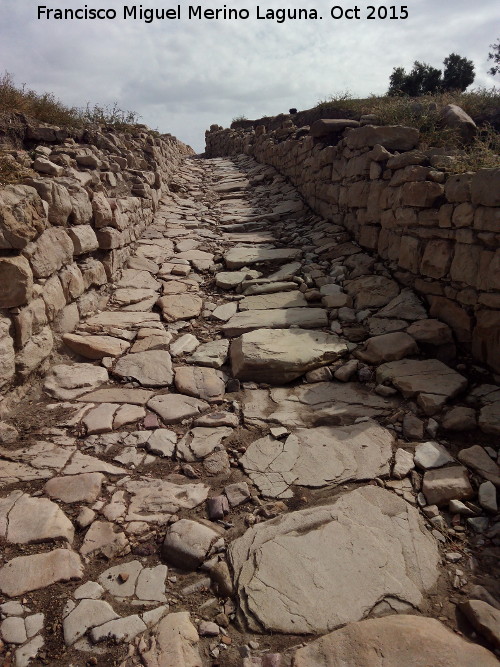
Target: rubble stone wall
{"type": "Point", "coordinates": [67, 228]}
{"type": "Point", "coordinates": [436, 231]}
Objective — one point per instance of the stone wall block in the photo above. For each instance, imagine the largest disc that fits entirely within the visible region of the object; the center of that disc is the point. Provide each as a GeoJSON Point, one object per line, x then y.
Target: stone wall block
{"type": "Point", "coordinates": [487, 218]}
{"type": "Point", "coordinates": [16, 281]}
{"type": "Point", "coordinates": [436, 259]}
{"type": "Point", "coordinates": [486, 338]}
{"type": "Point", "coordinates": [22, 216]}
{"type": "Point", "coordinates": [391, 137]}
{"type": "Point", "coordinates": [7, 354]}
{"type": "Point", "coordinates": [54, 298]}
{"type": "Point", "coordinates": [457, 188]}
{"type": "Point", "coordinates": [34, 353]}
{"type": "Point", "coordinates": [463, 215]}
{"type": "Point", "coordinates": [29, 321]}
{"type": "Point", "coordinates": [57, 198]}
{"type": "Point", "coordinates": [424, 194]}
{"type": "Point", "coordinates": [465, 265]}
{"type": "Point", "coordinates": [409, 254]}
{"type": "Point", "coordinates": [84, 239]}
{"type": "Point", "coordinates": [452, 314]}
{"type": "Point", "coordinates": [485, 187]}
{"type": "Point", "coordinates": [49, 252]}
{"type": "Point", "coordinates": [72, 282]}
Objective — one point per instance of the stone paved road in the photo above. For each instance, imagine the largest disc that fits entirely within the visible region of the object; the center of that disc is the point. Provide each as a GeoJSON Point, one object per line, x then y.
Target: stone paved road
{"type": "Point", "coordinates": [263, 439]}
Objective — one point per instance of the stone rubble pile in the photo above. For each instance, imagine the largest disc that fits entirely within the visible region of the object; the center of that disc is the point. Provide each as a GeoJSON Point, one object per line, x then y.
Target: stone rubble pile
{"type": "Point", "coordinates": [254, 453]}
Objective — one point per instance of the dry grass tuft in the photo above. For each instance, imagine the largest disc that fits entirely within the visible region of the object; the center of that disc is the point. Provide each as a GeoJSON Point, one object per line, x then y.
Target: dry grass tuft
{"type": "Point", "coordinates": [46, 108]}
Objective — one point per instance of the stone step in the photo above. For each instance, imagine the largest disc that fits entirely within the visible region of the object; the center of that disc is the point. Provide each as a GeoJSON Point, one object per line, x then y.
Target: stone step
{"type": "Point", "coordinates": [306, 318]}
{"type": "Point", "coordinates": [236, 258]}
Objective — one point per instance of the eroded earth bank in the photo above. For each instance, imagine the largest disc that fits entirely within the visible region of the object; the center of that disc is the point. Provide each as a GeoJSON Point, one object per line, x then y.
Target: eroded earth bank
{"type": "Point", "coordinates": [262, 452]}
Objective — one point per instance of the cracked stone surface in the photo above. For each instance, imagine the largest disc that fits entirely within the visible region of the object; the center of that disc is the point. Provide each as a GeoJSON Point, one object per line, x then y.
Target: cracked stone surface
{"type": "Point", "coordinates": [426, 641]}
{"type": "Point", "coordinates": [318, 457]}
{"type": "Point", "coordinates": [282, 355]}
{"type": "Point", "coordinates": [312, 405]}
{"type": "Point", "coordinates": [24, 520]}
{"type": "Point", "coordinates": [395, 559]}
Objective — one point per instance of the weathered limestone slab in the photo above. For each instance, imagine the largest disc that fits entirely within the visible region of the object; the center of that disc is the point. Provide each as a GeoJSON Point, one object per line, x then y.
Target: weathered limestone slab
{"type": "Point", "coordinates": [313, 404]}
{"type": "Point", "coordinates": [128, 320]}
{"type": "Point", "coordinates": [175, 643]}
{"type": "Point", "coordinates": [174, 408]}
{"type": "Point", "coordinates": [85, 487]}
{"type": "Point", "coordinates": [188, 543]}
{"type": "Point", "coordinates": [152, 368]}
{"type": "Point", "coordinates": [299, 573]}
{"type": "Point", "coordinates": [318, 457]}
{"type": "Point", "coordinates": [388, 347]}
{"type": "Point", "coordinates": [16, 281]}
{"type": "Point", "coordinates": [68, 382]}
{"type": "Point", "coordinates": [201, 382]}
{"type": "Point", "coordinates": [30, 573]}
{"type": "Point", "coordinates": [371, 291]}
{"type": "Point", "coordinates": [430, 376]}
{"type": "Point", "coordinates": [86, 615]}
{"type": "Point", "coordinates": [154, 500]}
{"type": "Point", "coordinates": [411, 641]}
{"type": "Point", "coordinates": [180, 306]}
{"type": "Point", "coordinates": [137, 280]}
{"type": "Point", "coordinates": [477, 458]}
{"type": "Point", "coordinates": [101, 538]}
{"type": "Point", "coordinates": [212, 354]}
{"type": "Point", "coordinates": [24, 520]}
{"type": "Point", "coordinates": [95, 347]}
{"type": "Point", "coordinates": [444, 484]}
{"type": "Point", "coordinates": [293, 299]}
{"type": "Point", "coordinates": [282, 355]}
{"type": "Point", "coordinates": [236, 258]}
{"type": "Point", "coordinates": [305, 318]}
{"type": "Point", "coordinates": [118, 395]}
{"type": "Point", "coordinates": [199, 442]}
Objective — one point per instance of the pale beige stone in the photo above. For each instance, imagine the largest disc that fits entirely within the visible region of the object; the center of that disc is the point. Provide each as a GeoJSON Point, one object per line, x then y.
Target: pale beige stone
{"type": "Point", "coordinates": [30, 573]}
{"type": "Point", "coordinates": [411, 641]}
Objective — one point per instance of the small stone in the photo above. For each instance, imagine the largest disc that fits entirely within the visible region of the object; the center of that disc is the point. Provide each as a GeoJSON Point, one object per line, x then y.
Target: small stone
{"type": "Point", "coordinates": [222, 579]}
{"type": "Point", "coordinates": [188, 543]}
{"type": "Point", "coordinates": [345, 372]}
{"type": "Point", "coordinates": [34, 624]}
{"type": "Point", "coordinates": [484, 618]}
{"type": "Point", "coordinates": [208, 629]}
{"type": "Point", "coordinates": [237, 493]}
{"type": "Point", "coordinates": [459, 419]}
{"type": "Point", "coordinates": [413, 427]}
{"type": "Point", "coordinates": [13, 630]}
{"type": "Point", "coordinates": [431, 455]}
{"type": "Point", "coordinates": [91, 590]}
{"type": "Point", "coordinates": [487, 496]}
{"type": "Point", "coordinates": [184, 345]}
{"type": "Point", "coordinates": [478, 524]}
{"type": "Point", "coordinates": [8, 434]}
{"type": "Point", "coordinates": [403, 463]}
{"type": "Point", "coordinates": [85, 517]}
{"type": "Point", "coordinates": [445, 484]}
{"type": "Point", "coordinates": [217, 507]}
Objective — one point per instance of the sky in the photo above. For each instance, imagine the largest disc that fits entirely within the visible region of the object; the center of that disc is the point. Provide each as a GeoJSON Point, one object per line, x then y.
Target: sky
{"type": "Point", "coordinates": [182, 75]}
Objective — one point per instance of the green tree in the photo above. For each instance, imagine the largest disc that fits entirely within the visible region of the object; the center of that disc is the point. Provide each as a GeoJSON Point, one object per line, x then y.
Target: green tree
{"type": "Point", "coordinates": [495, 56]}
{"type": "Point", "coordinates": [422, 80]}
{"type": "Point", "coordinates": [458, 72]}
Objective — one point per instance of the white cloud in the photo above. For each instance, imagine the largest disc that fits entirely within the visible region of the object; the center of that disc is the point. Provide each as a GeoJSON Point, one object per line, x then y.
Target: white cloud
{"type": "Point", "coordinates": [181, 76]}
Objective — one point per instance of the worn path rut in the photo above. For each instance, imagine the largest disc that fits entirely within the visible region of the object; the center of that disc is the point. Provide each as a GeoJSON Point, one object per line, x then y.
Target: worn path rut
{"type": "Point", "coordinates": [264, 439]}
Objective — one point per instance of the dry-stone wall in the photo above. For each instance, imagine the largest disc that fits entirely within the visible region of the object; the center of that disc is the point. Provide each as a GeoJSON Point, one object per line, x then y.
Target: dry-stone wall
{"type": "Point", "coordinates": [439, 232]}
{"type": "Point", "coordinates": [67, 228]}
